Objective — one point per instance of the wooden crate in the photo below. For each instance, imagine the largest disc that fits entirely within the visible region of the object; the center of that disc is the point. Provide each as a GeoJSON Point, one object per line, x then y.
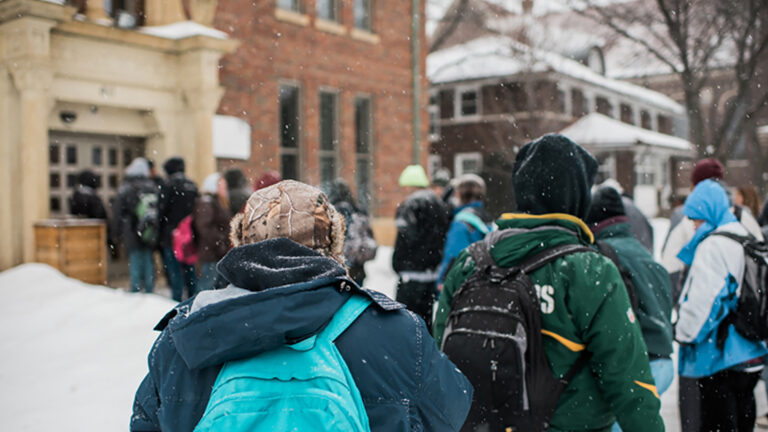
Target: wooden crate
{"type": "Point", "coordinates": [76, 247]}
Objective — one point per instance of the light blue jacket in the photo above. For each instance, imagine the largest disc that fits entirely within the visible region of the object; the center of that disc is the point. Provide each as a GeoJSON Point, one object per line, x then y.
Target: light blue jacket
{"type": "Point", "coordinates": [460, 235]}
{"type": "Point", "coordinates": [712, 288]}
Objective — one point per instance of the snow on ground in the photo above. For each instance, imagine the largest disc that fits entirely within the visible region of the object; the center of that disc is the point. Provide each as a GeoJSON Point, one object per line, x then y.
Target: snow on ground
{"type": "Point", "coordinates": [73, 354]}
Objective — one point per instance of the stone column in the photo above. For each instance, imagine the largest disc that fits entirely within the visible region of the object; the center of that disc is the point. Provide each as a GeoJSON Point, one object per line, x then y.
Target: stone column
{"type": "Point", "coordinates": [201, 95]}
{"type": "Point", "coordinates": [32, 76]}
{"type": "Point", "coordinates": [203, 11]}
{"type": "Point", "coordinates": [163, 12]}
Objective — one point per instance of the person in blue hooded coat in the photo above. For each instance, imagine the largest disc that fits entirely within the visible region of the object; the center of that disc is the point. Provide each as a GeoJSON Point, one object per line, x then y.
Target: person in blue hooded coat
{"type": "Point", "coordinates": [471, 223]}
{"type": "Point", "coordinates": [726, 365]}
{"type": "Point", "coordinates": [286, 282]}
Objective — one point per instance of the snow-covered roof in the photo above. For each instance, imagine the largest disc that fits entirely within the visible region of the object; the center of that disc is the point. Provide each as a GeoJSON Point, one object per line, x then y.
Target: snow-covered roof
{"type": "Point", "coordinates": [598, 130]}
{"type": "Point", "coordinates": [762, 129]}
{"type": "Point", "coordinates": [183, 29]}
{"type": "Point", "coordinates": [501, 56]}
{"type": "Point", "coordinates": [231, 138]}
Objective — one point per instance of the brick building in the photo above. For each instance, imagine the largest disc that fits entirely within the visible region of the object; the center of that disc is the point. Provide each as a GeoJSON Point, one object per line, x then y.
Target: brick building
{"type": "Point", "coordinates": [499, 79]}
{"type": "Point", "coordinates": [327, 89]}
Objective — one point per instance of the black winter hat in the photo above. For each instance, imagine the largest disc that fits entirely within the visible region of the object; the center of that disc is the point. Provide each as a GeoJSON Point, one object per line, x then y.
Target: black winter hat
{"type": "Point", "coordinates": [606, 203]}
{"type": "Point", "coordinates": [174, 165]}
{"type": "Point", "coordinates": [88, 178]}
{"type": "Point", "coordinates": [235, 178]}
{"type": "Point", "coordinates": [553, 175]}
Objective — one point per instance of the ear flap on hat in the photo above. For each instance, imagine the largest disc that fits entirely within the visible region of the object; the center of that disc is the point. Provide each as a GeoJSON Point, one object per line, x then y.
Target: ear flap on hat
{"type": "Point", "coordinates": [236, 230]}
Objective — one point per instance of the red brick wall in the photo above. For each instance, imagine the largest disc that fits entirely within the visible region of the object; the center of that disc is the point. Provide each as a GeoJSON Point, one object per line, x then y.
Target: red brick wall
{"type": "Point", "coordinates": [273, 51]}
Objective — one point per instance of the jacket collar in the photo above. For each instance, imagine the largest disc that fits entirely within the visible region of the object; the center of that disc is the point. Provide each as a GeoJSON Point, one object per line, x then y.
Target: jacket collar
{"type": "Point", "coordinates": [561, 219]}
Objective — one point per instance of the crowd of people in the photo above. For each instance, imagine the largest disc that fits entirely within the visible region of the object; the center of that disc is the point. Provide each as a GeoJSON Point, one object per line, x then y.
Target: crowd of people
{"type": "Point", "coordinates": [553, 316]}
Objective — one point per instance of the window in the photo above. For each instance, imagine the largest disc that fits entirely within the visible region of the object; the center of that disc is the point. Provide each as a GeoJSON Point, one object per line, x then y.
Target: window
{"type": "Point", "coordinates": [578, 103]}
{"type": "Point", "coordinates": [328, 10]}
{"type": "Point", "coordinates": [445, 101]}
{"type": "Point", "coordinates": [603, 106]}
{"type": "Point", "coordinates": [363, 148]}
{"type": "Point", "coordinates": [664, 124]}
{"type": "Point", "coordinates": [468, 163]}
{"type": "Point", "coordinates": [468, 103]}
{"type": "Point", "coordinates": [363, 16]}
{"type": "Point", "coordinates": [645, 120]}
{"type": "Point", "coordinates": [434, 117]}
{"type": "Point", "coordinates": [292, 5]}
{"type": "Point", "coordinates": [627, 114]}
{"type": "Point", "coordinates": [328, 136]}
{"type": "Point", "coordinates": [290, 128]}
{"type": "Point", "coordinates": [70, 154]}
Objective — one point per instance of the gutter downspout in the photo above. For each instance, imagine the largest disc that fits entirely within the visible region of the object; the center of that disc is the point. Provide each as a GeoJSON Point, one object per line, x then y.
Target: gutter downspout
{"type": "Point", "coordinates": [415, 52]}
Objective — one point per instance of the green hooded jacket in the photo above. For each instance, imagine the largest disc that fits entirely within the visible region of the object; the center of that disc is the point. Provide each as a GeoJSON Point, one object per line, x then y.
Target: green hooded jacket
{"type": "Point", "coordinates": [651, 283]}
{"type": "Point", "coordinates": [584, 306]}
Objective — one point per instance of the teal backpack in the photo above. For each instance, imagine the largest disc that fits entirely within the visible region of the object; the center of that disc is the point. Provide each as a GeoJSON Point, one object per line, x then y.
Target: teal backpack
{"type": "Point", "coordinates": [302, 387]}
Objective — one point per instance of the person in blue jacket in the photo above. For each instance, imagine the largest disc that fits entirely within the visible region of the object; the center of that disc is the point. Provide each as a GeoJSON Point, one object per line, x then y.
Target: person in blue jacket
{"type": "Point", "coordinates": [287, 280]}
{"type": "Point", "coordinates": [470, 221]}
{"type": "Point", "coordinates": [726, 365]}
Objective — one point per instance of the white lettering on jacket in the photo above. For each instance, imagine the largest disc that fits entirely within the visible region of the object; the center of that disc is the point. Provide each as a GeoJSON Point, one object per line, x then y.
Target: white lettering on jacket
{"type": "Point", "coordinates": [545, 294]}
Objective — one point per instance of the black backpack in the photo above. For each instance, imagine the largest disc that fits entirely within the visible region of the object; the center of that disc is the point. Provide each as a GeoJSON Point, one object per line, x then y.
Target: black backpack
{"type": "Point", "coordinates": [626, 276]}
{"type": "Point", "coordinates": [493, 334]}
{"type": "Point", "coordinates": [751, 316]}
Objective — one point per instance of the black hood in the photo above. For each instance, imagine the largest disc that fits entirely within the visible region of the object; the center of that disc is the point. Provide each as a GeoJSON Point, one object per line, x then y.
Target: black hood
{"type": "Point", "coordinates": [553, 175]}
{"type": "Point", "coordinates": [289, 293]}
{"type": "Point", "coordinates": [174, 165]}
{"type": "Point", "coordinates": [235, 178]}
{"type": "Point", "coordinates": [606, 204]}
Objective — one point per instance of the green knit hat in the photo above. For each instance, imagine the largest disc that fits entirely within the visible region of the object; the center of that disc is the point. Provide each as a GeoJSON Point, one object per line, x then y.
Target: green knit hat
{"type": "Point", "coordinates": [414, 175]}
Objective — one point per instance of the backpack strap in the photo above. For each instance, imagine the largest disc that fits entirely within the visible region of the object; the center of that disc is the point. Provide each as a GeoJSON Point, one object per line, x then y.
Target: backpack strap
{"type": "Point", "coordinates": [345, 316]}
{"type": "Point", "coordinates": [738, 211]}
{"type": "Point", "coordinates": [473, 220]}
{"type": "Point", "coordinates": [550, 255]}
{"type": "Point", "coordinates": [735, 237]}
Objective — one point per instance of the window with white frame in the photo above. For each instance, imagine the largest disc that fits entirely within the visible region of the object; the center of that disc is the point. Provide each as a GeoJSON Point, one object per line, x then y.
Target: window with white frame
{"type": "Point", "coordinates": [645, 170]}
{"type": "Point", "coordinates": [329, 143]}
{"type": "Point", "coordinates": [434, 117]}
{"type": "Point", "coordinates": [467, 163]}
{"type": "Point", "coordinates": [468, 103]}
{"type": "Point", "coordinates": [434, 163]}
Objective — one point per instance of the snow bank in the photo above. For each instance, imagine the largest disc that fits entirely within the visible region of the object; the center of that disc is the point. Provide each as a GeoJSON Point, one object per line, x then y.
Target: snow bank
{"type": "Point", "coordinates": [183, 29]}
{"type": "Point", "coordinates": [73, 354]}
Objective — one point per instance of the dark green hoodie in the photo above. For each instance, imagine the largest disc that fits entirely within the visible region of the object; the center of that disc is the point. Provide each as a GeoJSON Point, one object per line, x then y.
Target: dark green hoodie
{"type": "Point", "coordinates": [584, 304]}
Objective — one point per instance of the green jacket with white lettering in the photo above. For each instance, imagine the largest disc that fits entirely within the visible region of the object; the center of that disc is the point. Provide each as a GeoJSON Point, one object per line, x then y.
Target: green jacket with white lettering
{"type": "Point", "coordinates": [584, 307]}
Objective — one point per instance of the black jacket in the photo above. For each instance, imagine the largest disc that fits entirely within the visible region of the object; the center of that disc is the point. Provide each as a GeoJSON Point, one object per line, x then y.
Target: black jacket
{"type": "Point", "coordinates": [177, 201]}
{"type": "Point", "coordinates": [124, 219]}
{"type": "Point", "coordinates": [291, 292]}
{"type": "Point", "coordinates": [86, 203]}
{"type": "Point", "coordinates": [422, 222]}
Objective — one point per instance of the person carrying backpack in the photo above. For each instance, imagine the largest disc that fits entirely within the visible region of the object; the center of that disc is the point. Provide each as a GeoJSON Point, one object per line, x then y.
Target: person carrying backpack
{"type": "Point", "coordinates": [647, 280]}
{"type": "Point", "coordinates": [210, 220]}
{"type": "Point", "coordinates": [135, 221]}
{"type": "Point", "coordinates": [177, 201]}
{"type": "Point", "coordinates": [470, 222]}
{"type": "Point", "coordinates": [359, 244]}
{"type": "Point", "coordinates": [725, 364]}
{"type": "Point", "coordinates": [533, 300]}
{"type": "Point", "coordinates": [293, 343]}
{"type": "Point", "coordinates": [422, 221]}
